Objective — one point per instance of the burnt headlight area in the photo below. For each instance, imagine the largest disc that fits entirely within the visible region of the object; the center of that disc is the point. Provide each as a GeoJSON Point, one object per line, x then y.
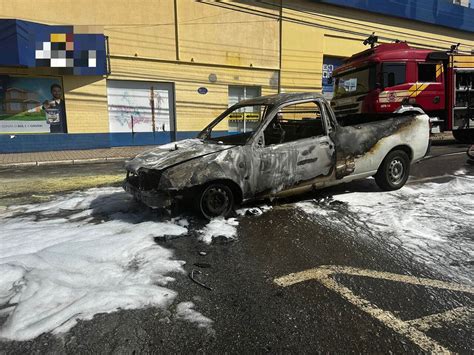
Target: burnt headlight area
{"type": "Point", "coordinates": [144, 180]}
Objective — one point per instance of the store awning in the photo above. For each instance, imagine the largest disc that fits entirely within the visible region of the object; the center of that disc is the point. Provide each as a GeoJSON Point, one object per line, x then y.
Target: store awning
{"type": "Point", "coordinates": [62, 48]}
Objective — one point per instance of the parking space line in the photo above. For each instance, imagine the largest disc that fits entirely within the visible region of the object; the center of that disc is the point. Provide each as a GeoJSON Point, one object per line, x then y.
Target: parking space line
{"type": "Point", "coordinates": [455, 315]}
{"type": "Point", "coordinates": [441, 155]}
{"type": "Point", "coordinates": [324, 275]}
{"type": "Point", "coordinates": [347, 270]}
{"type": "Point", "coordinates": [440, 177]}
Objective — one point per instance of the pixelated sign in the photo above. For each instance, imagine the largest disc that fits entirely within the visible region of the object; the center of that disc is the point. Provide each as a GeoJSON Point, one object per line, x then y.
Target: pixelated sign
{"type": "Point", "coordinates": [30, 44]}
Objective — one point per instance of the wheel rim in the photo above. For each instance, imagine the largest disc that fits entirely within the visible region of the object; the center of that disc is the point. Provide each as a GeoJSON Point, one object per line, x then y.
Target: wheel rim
{"type": "Point", "coordinates": [470, 152]}
{"type": "Point", "coordinates": [396, 171]}
{"type": "Point", "coordinates": [215, 201]}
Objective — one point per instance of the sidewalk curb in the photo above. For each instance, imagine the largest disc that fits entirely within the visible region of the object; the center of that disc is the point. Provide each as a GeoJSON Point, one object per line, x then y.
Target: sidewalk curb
{"type": "Point", "coordinates": [437, 138]}
{"type": "Point", "coordinates": [65, 162]}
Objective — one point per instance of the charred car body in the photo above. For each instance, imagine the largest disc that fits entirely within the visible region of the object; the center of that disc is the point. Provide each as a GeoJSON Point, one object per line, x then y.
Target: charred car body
{"type": "Point", "coordinates": [274, 146]}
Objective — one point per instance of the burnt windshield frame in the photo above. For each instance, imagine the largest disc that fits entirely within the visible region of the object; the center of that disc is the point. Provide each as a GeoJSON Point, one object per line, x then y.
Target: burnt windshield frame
{"type": "Point", "coordinates": [206, 132]}
{"type": "Point", "coordinates": [372, 78]}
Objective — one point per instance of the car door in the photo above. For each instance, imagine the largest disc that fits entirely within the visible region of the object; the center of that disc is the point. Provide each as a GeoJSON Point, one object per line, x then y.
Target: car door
{"type": "Point", "coordinates": [314, 158]}
{"type": "Point", "coordinates": [275, 167]}
{"type": "Point", "coordinates": [296, 147]}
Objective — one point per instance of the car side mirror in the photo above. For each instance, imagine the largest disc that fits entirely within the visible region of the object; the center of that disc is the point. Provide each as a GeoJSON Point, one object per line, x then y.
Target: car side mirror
{"type": "Point", "coordinates": [260, 141]}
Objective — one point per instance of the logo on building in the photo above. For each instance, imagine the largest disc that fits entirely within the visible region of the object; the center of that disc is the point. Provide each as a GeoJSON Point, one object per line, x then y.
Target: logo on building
{"type": "Point", "coordinates": [59, 52]}
{"type": "Point", "coordinates": [66, 50]}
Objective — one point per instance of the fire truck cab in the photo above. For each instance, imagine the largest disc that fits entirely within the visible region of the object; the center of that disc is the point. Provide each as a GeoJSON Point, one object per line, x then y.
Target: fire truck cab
{"type": "Point", "coordinates": [384, 79]}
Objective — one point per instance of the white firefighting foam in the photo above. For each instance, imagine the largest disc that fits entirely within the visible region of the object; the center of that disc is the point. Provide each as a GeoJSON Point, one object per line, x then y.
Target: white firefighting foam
{"type": "Point", "coordinates": [78, 255]}
{"type": "Point", "coordinates": [431, 221]}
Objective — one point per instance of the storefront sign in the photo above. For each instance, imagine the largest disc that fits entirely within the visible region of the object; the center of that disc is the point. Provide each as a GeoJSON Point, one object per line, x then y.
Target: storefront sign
{"type": "Point", "coordinates": [239, 116]}
{"type": "Point", "coordinates": [31, 105]}
{"type": "Point", "coordinates": [64, 49]}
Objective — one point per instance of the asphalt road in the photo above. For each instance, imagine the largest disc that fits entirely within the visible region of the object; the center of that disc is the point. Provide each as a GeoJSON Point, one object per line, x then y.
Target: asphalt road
{"type": "Point", "coordinates": [375, 299]}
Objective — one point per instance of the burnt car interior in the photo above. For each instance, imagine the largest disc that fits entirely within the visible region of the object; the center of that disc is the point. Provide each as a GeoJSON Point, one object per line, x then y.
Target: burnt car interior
{"type": "Point", "coordinates": [295, 122]}
{"type": "Point", "coordinates": [291, 123]}
{"type": "Point", "coordinates": [242, 122]}
{"type": "Point", "coordinates": [239, 138]}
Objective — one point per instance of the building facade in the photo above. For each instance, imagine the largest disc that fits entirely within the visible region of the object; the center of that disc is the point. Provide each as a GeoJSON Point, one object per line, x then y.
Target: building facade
{"type": "Point", "coordinates": [141, 72]}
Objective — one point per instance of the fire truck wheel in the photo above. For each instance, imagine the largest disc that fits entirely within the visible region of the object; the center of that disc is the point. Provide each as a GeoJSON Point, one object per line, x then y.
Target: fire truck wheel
{"type": "Point", "coordinates": [394, 171]}
{"type": "Point", "coordinates": [464, 135]}
{"type": "Point", "coordinates": [470, 153]}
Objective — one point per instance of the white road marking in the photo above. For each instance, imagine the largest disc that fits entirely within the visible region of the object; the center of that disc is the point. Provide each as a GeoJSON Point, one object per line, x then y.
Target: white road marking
{"type": "Point", "coordinates": [439, 177]}
{"type": "Point", "coordinates": [347, 270]}
{"type": "Point", "coordinates": [455, 315]}
{"type": "Point", "coordinates": [441, 155]}
{"type": "Point", "coordinates": [324, 275]}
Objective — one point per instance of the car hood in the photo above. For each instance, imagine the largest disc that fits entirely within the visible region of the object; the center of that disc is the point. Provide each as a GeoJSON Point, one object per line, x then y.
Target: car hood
{"type": "Point", "coordinates": [172, 154]}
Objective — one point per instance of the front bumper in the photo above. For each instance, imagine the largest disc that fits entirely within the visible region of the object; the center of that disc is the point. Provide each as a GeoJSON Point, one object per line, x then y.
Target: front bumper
{"type": "Point", "coordinates": [152, 198]}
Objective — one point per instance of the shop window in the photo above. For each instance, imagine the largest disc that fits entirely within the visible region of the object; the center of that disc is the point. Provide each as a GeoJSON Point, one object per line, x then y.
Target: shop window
{"type": "Point", "coordinates": [140, 106]}
{"type": "Point", "coordinates": [295, 122]}
{"type": "Point", "coordinates": [238, 93]}
{"type": "Point", "coordinates": [427, 73]}
{"type": "Point", "coordinates": [246, 118]}
{"type": "Point", "coordinates": [393, 74]}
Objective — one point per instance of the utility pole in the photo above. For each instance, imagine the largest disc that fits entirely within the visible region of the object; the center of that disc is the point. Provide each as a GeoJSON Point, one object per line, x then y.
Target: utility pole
{"type": "Point", "coordinates": [176, 28]}
{"type": "Point", "coordinates": [152, 104]}
{"type": "Point", "coordinates": [280, 45]}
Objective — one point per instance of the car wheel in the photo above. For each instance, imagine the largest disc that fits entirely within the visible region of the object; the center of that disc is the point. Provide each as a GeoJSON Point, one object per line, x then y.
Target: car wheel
{"type": "Point", "coordinates": [470, 151]}
{"type": "Point", "coordinates": [216, 200]}
{"type": "Point", "coordinates": [394, 171]}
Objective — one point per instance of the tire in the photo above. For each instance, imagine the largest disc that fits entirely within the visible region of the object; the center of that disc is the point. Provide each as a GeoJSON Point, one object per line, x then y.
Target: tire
{"type": "Point", "coordinates": [465, 136]}
{"type": "Point", "coordinates": [470, 152]}
{"type": "Point", "coordinates": [394, 171]}
{"type": "Point", "coordinates": [215, 200]}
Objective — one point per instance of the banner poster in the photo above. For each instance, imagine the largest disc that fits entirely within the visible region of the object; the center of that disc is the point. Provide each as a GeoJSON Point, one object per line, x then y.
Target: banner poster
{"type": "Point", "coordinates": [138, 106]}
{"type": "Point", "coordinates": [31, 105]}
{"type": "Point", "coordinates": [329, 64]}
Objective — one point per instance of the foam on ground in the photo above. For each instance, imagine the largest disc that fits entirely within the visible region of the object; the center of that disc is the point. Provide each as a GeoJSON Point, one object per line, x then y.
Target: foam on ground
{"type": "Point", "coordinates": [79, 255]}
{"type": "Point", "coordinates": [433, 222]}
{"type": "Point", "coordinates": [219, 227]}
{"type": "Point", "coordinates": [185, 311]}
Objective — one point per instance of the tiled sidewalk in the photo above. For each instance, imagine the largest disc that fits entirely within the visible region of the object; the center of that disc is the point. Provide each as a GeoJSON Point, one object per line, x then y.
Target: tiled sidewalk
{"type": "Point", "coordinates": [103, 155]}
{"type": "Point", "coordinates": [71, 156]}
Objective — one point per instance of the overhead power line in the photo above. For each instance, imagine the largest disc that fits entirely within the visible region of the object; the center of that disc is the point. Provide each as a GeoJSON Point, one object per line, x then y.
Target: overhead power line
{"type": "Point", "coordinates": [275, 16]}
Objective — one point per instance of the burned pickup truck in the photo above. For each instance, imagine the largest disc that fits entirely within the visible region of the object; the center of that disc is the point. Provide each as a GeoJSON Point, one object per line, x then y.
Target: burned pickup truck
{"type": "Point", "coordinates": [274, 146]}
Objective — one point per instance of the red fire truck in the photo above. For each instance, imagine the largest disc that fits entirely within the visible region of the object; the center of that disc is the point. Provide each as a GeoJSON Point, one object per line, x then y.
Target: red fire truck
{"type": "Point", "coordinates": [393, 77]}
